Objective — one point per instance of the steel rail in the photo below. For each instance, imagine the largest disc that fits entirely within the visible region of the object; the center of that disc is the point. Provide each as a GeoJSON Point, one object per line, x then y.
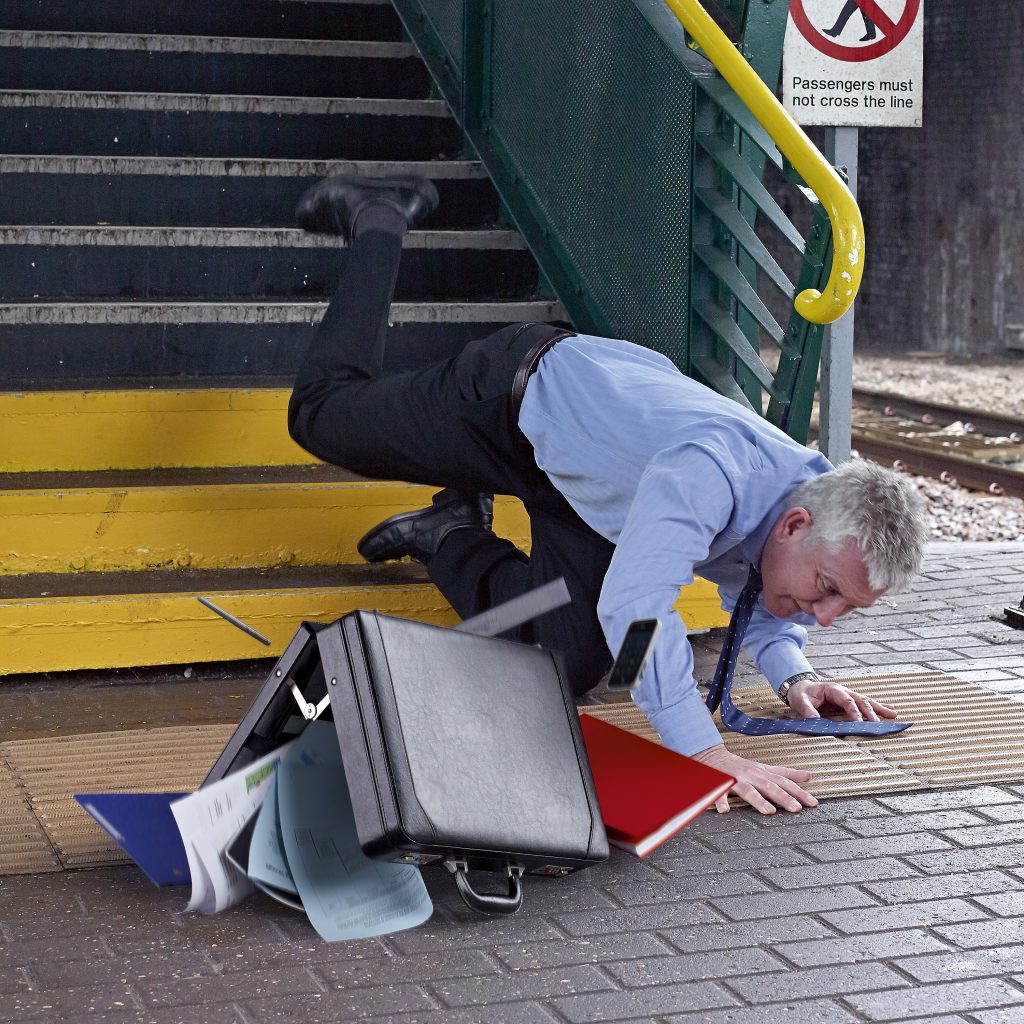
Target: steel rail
{"type": "Point", "coordinates": [988, 424]}
{"type": "Point", "coordinates": [968, 472]}
{"type": "Point", "coordinates": [847, 224]}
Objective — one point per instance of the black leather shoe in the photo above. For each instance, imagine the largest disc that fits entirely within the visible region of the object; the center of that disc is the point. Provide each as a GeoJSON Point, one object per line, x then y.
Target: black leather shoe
{"type": "Point", "coordinates": [419, 534]}
{"type": "Point", "coordinates": [332, 205]}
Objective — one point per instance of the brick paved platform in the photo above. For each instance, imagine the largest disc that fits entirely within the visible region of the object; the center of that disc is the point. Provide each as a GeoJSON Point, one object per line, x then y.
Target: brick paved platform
{"type": "Point", "coordinates": [884, 909]}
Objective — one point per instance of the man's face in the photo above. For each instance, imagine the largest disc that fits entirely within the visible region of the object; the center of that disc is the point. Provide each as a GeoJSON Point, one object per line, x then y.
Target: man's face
{"type": "Point", "coordinates": [800, 576]}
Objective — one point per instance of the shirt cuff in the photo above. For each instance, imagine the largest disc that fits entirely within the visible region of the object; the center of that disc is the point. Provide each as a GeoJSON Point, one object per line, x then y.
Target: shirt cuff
{"type": "Point", "coordinates": [686, 727]}
{"type": "Point", "coordinates": [781, 660]}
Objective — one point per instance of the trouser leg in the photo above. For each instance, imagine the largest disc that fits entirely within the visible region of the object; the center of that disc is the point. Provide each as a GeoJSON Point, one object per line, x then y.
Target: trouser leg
{"type": "Point", "coordinates": [349, 341]}
{"type": "Point", "coordinates": [476, 571]}
{"type": "Point", "coordinates": [450, 425]}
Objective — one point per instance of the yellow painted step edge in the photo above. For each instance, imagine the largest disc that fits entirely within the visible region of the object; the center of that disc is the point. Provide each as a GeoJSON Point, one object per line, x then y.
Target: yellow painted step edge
{"type": "Point", "coordinates": [78, 431]}
{"type": "Point", "coordinates": [65, 634]}
{"type": "Point", "coordinates": [59, 635]}
{"type": "Point", "coordinates": [207, 526]}
{"type": "Point", "coordinates": [229, 527]}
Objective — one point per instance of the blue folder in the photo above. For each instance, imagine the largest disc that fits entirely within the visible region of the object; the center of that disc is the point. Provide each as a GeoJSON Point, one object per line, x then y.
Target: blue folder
{"type": "Point", "coordinates": [144, 827]}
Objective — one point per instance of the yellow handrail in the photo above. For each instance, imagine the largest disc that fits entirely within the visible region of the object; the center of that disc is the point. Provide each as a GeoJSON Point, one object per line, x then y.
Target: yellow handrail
{"type": "Point", "coordinates": [847, 224]}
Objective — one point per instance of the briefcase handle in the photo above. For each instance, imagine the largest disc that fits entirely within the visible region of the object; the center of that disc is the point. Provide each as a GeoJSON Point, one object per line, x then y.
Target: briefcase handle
{"type": "Point", "coordinates": [488, 902]}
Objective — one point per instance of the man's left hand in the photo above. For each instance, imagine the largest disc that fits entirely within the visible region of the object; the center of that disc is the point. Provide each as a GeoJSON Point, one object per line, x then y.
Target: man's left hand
{"type": "Point", "coordinates": [819, 698]}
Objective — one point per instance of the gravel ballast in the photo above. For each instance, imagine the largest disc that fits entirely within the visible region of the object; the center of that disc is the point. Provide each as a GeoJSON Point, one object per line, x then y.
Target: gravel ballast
{"type": "Point", "coordinates": [957, 514]}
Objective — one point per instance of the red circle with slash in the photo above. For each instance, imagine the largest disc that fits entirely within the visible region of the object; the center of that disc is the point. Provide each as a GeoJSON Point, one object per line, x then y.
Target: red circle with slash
{"type": "Point", "coordinates": [893, 32]}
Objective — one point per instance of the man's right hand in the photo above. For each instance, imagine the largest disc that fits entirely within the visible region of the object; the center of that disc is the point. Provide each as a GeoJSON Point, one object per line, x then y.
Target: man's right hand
{"type": "Point", "coordinates": [764, 786]}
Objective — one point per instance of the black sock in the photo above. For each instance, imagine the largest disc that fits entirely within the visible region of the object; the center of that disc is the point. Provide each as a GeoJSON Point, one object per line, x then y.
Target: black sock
{"type": "Point", "coordinates": [378, 216]}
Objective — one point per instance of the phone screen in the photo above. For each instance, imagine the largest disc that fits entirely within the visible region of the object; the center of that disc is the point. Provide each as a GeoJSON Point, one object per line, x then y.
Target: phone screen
{"type": "Point", "coordinates": [634, 654]}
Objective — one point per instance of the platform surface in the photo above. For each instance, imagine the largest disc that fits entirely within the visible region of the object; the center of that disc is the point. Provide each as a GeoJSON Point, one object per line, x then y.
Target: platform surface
{"type": "Point", "coordinates": [888, 908]}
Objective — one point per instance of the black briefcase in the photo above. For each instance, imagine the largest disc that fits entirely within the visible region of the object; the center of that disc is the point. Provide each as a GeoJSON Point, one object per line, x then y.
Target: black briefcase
{"type": "Point", "coordinates": [459, 750]}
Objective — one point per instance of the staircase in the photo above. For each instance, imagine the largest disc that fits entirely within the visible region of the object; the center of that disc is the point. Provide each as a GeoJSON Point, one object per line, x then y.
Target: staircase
{"type": "Point", "coordinates": [155, 298]}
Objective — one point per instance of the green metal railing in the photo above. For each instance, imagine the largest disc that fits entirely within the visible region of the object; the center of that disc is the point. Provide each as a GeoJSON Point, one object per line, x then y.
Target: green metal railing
{"type": "Point", "coordinates": [634, 172]}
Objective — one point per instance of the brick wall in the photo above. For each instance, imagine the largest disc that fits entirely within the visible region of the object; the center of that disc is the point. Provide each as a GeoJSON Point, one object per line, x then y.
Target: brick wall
{"type": "Point", "coordinates": [944, 204]}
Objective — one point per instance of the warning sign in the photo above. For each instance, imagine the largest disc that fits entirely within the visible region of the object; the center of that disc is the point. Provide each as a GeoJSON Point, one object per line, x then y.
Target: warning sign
{"type": "Point", "coordinates": [855, 63]}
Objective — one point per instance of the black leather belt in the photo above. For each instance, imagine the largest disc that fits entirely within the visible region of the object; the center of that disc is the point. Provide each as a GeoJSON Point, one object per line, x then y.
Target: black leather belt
{"type": "Point", "coordinates": [529, 365]}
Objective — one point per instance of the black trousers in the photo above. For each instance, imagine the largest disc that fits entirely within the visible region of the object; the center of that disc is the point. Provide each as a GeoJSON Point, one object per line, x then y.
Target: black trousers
{"type": "Point", "coordinates": [450, 424]}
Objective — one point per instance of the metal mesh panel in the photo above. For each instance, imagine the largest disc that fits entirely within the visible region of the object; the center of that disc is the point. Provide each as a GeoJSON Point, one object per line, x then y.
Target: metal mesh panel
{"type": "Point", "coordinates": [597, 114]}
{"type": "Point", "coordinates": [446, 16]}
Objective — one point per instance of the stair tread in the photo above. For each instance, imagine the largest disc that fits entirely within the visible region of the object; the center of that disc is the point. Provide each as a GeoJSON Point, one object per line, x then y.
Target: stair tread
{"type": "Point", "coordinates": [66, 481]}
{"type": "Point", "coordinates": [196, 103]}
{"type": "Point", "coordinates": [153, 42]}
{"type": "Point", "coordinates": [256, 311]}
{"type": "Point", "coordinates": [262, 237]}
{"type": "Point", "coordinates": [86, 385]}
{"type": "Point", "coordinates": [208, 581]}
{"type": "Point", "coordinates": [257, 167]}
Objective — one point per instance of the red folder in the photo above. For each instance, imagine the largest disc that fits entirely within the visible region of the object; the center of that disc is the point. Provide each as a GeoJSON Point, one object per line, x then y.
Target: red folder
{"type": "Point", "coordinates": [646, 792]}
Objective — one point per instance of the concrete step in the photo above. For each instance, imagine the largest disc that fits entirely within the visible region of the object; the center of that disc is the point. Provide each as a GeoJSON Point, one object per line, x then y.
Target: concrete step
{"type": "Point", "coordinates": [183, 124]}
{"type": "Point", "coordinates": [55, 344]}
{"type": "Point", "coordinates": [117, 620]}
{"type": "Point", "coordinates": [187, 191]}
{"type": "Point", "coordinates": [240, 263]}
{"type": "Point", "coordinates": [136, 520]}
{"type": "Point", "coordinates": [98, 62]}
{"type": "Point", "coordinates": [283, 19]}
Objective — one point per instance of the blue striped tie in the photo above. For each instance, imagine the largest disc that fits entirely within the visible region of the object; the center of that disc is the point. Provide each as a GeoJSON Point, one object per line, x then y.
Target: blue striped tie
{"type": "Point", "coordinates": [736, 721]}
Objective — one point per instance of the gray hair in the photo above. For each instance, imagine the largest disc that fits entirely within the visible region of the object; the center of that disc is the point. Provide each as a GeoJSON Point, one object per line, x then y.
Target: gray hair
{"type": "Point", "coordinates": [879, 509]}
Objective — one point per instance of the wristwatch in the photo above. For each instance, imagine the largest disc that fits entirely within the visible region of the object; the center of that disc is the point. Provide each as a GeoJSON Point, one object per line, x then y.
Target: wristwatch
{"type": "Point", "coordinates": [783, 690]}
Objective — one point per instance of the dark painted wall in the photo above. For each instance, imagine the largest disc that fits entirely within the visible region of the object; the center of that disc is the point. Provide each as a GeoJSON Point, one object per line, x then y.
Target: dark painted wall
{"type": "Point", "coordinates": [944, 204]}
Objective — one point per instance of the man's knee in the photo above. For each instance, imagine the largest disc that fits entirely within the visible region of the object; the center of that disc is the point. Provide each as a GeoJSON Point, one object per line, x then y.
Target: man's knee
{"type": "Point", "coordinates": [319, 422]}
{"type": "Point", "coordinates": [585, 669]}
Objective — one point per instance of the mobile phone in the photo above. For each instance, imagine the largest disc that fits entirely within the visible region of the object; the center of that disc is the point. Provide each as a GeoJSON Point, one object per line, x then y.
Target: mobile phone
{"type": "Point", "coordinates": [635, 652]}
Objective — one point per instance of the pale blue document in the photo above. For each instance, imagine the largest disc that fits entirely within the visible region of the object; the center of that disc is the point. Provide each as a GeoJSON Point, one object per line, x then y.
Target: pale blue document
{"type": "Point", "coordinates": [268, 862]}
{"type": "Point", "coordinates": [345, 894]}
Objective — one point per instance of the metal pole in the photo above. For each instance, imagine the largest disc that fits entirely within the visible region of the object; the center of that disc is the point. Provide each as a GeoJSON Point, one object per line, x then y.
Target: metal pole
{"type": "Point", "coordinates": [836, 404]}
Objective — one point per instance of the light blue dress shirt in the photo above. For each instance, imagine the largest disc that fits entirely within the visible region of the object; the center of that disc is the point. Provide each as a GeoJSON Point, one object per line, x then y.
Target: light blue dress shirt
{"type": "Point", "coordinates": [684, 481]}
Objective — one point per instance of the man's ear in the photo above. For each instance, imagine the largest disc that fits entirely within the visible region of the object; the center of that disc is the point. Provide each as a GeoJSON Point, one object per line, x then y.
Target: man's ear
{"type": "Point", "coordinates": [791, 523]}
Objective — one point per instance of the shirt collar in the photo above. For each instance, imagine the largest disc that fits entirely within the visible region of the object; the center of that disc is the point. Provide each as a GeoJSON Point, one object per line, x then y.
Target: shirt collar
{"type": "Point", "coordinates": [753, 544]}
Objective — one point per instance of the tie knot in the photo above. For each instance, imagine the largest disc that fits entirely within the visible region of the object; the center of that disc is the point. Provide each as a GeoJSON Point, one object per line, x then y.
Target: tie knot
{"type": "Point", "coordinates": [754, 583]}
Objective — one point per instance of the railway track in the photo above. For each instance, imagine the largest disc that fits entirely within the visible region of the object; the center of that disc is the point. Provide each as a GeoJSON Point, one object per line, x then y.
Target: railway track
{"type": "Point", "coordinates": [981, 451]}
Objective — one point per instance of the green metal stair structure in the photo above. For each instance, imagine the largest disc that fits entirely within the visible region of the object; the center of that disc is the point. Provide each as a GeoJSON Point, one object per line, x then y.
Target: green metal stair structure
{"type": "Point", "coordinates": [155, 296]}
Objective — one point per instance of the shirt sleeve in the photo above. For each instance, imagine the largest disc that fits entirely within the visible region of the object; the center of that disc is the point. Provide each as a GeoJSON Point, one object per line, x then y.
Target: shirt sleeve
{"type": "Point", "coordinates": [776, 645]}
{"type": "Point", "coordinates": [669, 529]}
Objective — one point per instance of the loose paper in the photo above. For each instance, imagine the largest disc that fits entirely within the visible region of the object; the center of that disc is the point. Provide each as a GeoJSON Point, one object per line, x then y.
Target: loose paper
{"type": "Point", "coordinates": [209, 819]}
{"type": "Point", "coordinates": [345, 894]}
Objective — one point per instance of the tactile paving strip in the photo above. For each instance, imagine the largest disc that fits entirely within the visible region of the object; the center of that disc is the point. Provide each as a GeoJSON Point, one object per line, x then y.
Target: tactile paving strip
{"type": "Point", "coordinates": [24, 847]}
{"type": "Point", "coordinates": [963, 735]}
{"type": "Point", "coordinates": [49, 771]}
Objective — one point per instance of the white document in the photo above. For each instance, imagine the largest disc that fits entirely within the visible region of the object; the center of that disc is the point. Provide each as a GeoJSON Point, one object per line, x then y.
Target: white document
{"type": "Point", "coordinates": [345, 894]}
{"type": "Point", "coordinates": [209, 819]}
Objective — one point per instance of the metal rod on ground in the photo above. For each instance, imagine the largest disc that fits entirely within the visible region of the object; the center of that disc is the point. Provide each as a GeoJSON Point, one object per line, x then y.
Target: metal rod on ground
{"type": "Point", "coordinates": [244, 627]}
